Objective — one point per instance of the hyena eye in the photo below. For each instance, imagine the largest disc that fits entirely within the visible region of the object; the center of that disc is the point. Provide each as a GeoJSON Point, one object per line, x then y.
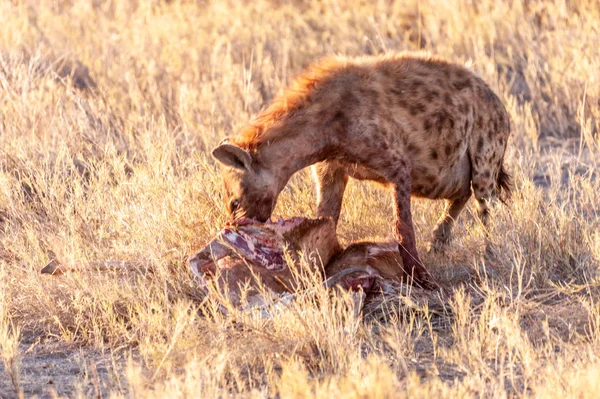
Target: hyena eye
{"type": "Point", "coordinates": [234, 205]}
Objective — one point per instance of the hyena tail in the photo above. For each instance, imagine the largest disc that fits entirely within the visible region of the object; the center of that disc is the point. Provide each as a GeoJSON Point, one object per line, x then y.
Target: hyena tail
{"type": "Point", "coordinates": [504, 184]}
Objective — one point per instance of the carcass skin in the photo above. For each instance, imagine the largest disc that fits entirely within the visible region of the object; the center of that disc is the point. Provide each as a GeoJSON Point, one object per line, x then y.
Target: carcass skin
{"type": "Point", "coordinates": [366, 266]}
{"type": "Point", "coordinates": [380, 257]}
{"type": "Point", "coordinates": [250, 254]}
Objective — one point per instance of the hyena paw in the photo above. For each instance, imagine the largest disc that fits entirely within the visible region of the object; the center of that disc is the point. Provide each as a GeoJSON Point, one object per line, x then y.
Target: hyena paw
{"type": "Point", "coordinates": [440, 239]}
{"type": "Point", "coordinates": [437, 246]}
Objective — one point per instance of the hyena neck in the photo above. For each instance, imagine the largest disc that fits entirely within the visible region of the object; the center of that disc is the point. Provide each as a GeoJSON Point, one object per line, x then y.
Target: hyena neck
{"type": "Point", "coordinates": [294, 151]}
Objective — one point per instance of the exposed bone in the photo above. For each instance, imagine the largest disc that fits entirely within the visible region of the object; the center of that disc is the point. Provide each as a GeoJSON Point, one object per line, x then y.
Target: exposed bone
{"type": "Point", "coordinates": [56, 268]}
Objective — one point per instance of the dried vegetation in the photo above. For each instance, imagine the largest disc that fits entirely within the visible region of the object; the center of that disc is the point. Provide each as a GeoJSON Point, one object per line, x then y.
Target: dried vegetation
{"type": "Point", "coordinates": [107, 109]}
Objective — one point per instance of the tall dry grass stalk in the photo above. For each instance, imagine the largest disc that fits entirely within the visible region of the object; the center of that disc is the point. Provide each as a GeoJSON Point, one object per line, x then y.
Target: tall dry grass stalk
{"type": "Point", "coordinates": [9, 339]}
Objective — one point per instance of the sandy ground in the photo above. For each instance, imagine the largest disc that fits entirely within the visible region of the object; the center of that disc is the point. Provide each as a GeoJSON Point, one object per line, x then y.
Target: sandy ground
{"type": "Point", "coordinates": [53, 368]}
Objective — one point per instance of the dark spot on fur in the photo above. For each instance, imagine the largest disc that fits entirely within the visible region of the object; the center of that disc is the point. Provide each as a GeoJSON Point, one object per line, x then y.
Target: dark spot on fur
{"type": "Point", "coordinates": [440, 83]}
{"type": "Point", "coordinates": [448, 99]}
{"type": "Point", "coordinates": [397, 91]}
{"type": "Point", "coordinates": [461, 84]}
{"type": "Point", "coordinates": [417, 83]}
{"type": "Point", "coordinates": [434, 154]}
{"type": "Point", "coordinates": [413, 149]}
{"type": "Point", "coordinates": [440, 118]}
{"type": "Point", "coordinates": [351, 99]}
{"type": "Point", "coordinates": [338, 123]}
{"type": "Point", "coordinates": [486, 174]}
{"type": "Point", "coordinates": [430, 178]}
{"type": "Point", "coordinates": [431, 95]}
{"type": "Point", "coordinates": [448, 149]}
{"type": "Point", "coordinates": [401, 102]}
{"type": "Point", "coordinates": [427, 124]}
{"type": "Point", "coordinates": [387, 71]}
{"type": "Point", "coordinates": [480, 122]}
{"type": "Point", "coordinates": [495, 125]}
{"type": "Point", "coordinates": [480, 144]}
{"type": "Point", "coordinates": [339, 115]}
{"type": "Point", "coordinates": [416, 108]}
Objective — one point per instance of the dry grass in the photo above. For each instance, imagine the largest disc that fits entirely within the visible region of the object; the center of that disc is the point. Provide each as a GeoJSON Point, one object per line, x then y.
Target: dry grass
{"type": "Point", "coordinates": [121, 173]}
{"type": "Point", "coordinates": [9, 340]}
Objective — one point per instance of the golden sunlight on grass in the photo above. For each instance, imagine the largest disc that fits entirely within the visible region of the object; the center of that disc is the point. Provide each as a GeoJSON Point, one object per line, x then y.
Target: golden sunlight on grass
{"type": "Point", "coordinates": [108, 110]}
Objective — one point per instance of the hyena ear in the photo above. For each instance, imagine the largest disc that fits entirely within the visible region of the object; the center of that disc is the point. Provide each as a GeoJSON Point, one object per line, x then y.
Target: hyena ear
{"type": "Point", "coordinates": [232, 155]}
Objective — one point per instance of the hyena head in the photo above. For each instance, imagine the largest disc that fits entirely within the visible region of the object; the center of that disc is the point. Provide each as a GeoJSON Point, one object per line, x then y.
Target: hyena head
{"type": "Point", "coordinates": [251, 190]}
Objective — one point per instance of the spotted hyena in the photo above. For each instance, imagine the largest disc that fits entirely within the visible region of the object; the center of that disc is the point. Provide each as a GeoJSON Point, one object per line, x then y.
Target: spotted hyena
{"type": "Point", "coordinates": [424, 126]}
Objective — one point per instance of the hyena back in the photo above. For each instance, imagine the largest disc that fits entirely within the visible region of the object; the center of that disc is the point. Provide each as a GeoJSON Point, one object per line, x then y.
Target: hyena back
{"type": "Point", "coordinates": [427, 127]}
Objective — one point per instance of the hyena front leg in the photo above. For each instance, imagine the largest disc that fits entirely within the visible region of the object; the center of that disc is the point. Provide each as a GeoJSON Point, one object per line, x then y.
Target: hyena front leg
{"type": "Point", "coordinates": [404, 233]}
{"type": "Point", "coordinates": [393, 167]}
{"type": "Point", "coordinates": [396, 170]}
{"type": "Point", "coordinates": [331, 183]}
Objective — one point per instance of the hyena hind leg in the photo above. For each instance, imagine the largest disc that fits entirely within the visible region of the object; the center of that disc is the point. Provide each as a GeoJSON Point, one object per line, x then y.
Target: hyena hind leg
{"type": "Point", "coordinates": [485, 198]}
{"type": "Point", "coordinates": [485, 194]}
{"type": "Point", "coordinates": [331, 183]}
{"type": "Point", "coordinates": [488, 188]}
{"type": "Point", "coordinates": [488, 192]}
{"type": "Point", "coordinates": [442, 233]}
